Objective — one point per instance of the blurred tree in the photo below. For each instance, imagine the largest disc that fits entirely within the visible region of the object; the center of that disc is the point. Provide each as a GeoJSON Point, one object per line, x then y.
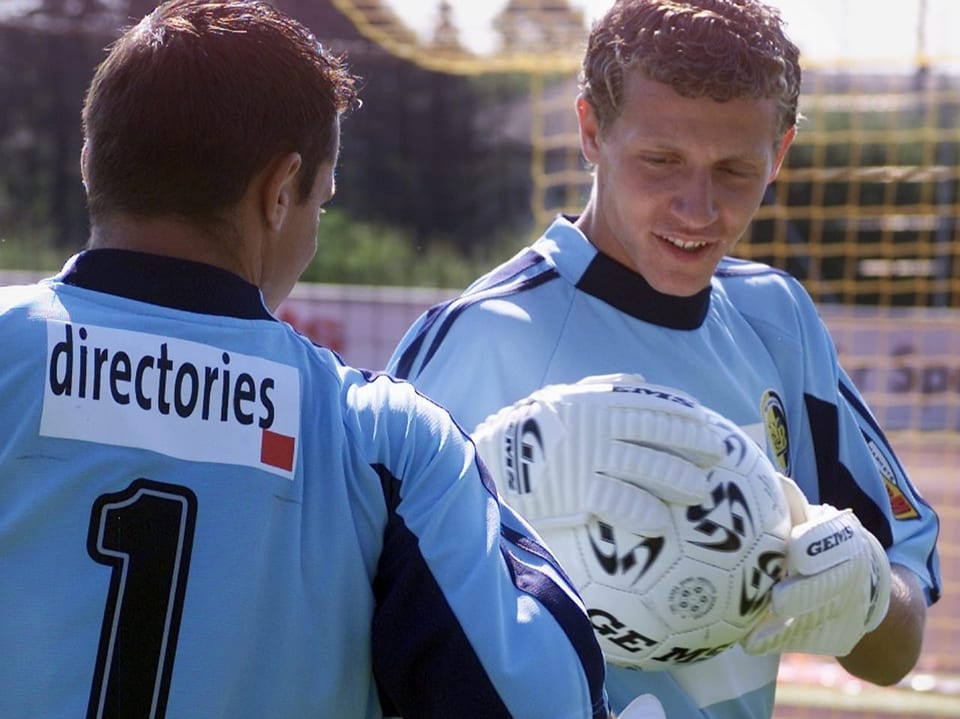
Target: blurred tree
{"type": "Point", "coordinates": [47, 54]}
{"type": "Point", "coordinates": [423, 152]}
{"type": "Point", "coordinates": [426, 153]}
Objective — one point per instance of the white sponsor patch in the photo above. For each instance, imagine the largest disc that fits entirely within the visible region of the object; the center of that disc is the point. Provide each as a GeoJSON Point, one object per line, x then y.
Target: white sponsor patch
{"type": "Point", "coordinates": [179, 398]}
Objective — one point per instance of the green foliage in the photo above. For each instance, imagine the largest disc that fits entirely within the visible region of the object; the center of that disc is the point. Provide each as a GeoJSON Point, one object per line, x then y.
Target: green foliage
{"type": "Point", "coordinates": [348, 252]}
{"type": "Point", "coordinates": [34, 254]}
{"type": "Point", "coordinates": [355, 252]}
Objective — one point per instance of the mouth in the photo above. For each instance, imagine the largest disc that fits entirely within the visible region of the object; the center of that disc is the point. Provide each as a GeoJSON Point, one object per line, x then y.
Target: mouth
{"type": "Point", "coordinates": [688, 245]}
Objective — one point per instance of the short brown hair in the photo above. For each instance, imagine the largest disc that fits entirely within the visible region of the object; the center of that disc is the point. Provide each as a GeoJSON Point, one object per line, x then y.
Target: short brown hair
{"type": "Point", "coordinates": [721, 49]}
{"type": "Point", "coordinates": [197, 98]}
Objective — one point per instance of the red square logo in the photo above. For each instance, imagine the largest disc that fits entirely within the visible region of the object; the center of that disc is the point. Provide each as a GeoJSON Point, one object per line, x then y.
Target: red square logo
{"type": "Point", "coordinates": [277, 450]}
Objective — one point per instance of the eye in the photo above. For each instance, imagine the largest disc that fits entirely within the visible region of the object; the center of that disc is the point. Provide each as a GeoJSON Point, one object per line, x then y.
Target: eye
{"type": "Point", "coordinates": [738, 171]}
{"type": "Point", "coordinates": [655, 159]}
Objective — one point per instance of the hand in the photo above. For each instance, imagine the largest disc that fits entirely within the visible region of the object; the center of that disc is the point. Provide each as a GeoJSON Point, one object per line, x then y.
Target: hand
{"type": "Point", "coordinates": [836, 588]}
{"type": "Point", "coordinates": [645, 706]}
{"type": "Point", "coordinates": [612, 446]}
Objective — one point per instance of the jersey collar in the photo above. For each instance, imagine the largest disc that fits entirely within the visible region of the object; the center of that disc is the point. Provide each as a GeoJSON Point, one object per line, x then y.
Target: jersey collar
{"type": "Point", "coordinates": [166, 281]}
{"type": "Point", "coordinates": [622, 288]}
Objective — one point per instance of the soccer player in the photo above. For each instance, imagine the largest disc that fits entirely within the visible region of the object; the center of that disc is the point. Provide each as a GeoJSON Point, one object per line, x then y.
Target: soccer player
{"type": "Point", "coordinates": [201, 513]}
{"type": "Point", "coordinates": [686, 111]}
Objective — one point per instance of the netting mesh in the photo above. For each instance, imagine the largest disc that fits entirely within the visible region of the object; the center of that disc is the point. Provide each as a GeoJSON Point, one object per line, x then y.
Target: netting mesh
{"type": "Point", "coordinates": [866, 209]}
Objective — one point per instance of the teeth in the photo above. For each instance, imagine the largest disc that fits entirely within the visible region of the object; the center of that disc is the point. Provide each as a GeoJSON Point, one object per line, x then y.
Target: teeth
{"type": "Point", "coordinates": [684, 245]}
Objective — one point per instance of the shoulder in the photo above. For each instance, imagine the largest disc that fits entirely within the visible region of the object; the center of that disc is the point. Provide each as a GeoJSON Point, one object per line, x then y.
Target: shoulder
{"type": "Point", "coordinates": [733, 272]}
{"type": "Point", "coordinates": [379, 407]}
{"type": "Point", "coordinates": [511, 302]}
{"type": "Point", "coordinates": [762, 292]}
{"type": "Point", "coordinates": [12, 296]}
{"type": "Point", "coordinates": [25, 309]}
{"type": "Point", "coordinates": [512, 293]}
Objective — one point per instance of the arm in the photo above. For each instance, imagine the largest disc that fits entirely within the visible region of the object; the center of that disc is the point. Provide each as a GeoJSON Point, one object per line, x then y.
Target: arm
{"type": "Point", "coordinates": [846, 461]}
{"type": "Point", "coordinates": [885, 655]}
{"type": "Point", "coordinates": [472, 616]}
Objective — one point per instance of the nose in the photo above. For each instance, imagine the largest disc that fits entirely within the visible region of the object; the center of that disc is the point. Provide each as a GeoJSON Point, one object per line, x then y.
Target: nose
{"type": "Point", "coordinates": [694, 201]}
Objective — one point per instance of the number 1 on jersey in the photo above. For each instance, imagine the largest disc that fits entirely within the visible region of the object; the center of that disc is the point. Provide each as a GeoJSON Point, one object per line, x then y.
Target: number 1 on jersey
{"type": "Point", "coordinates": [145, 534]}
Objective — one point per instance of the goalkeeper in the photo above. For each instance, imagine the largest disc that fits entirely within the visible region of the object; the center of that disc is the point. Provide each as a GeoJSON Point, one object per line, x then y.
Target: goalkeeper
{"type": "Point", "coordinates": [286, 537]}
{"type": "Point", "coordinates": [686, 111]}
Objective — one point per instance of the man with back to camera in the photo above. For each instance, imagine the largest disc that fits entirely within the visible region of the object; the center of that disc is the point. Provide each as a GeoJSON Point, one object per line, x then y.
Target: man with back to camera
{"type": "Point", "coordinates": [201, 513]}
{"type": "Point", "coordinates": [686, 111]}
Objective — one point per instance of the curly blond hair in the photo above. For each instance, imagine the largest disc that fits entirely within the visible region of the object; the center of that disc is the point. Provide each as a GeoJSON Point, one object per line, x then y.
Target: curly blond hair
{"type": "Point", "coordinates": [721, 49]}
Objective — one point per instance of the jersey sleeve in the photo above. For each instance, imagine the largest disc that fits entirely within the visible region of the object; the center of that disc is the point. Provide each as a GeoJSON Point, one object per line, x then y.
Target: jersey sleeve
{"type": "Point", "coordinates": [852, 462]}
{"type": "Point", "coordinates": [473, 616]}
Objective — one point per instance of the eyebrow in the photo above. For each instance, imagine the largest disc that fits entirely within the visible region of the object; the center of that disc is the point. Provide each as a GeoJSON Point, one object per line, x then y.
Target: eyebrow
{"type": "Point", "coordinates": [746, 156]}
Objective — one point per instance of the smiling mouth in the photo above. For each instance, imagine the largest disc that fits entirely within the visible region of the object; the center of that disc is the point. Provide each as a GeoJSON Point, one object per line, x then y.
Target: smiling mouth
{"type": "Point", "coordinates": [682, 244]}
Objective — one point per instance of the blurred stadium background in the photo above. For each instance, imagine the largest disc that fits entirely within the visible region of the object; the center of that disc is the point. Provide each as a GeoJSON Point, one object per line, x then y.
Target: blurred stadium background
{"type": "Point", "coordinates": [465, 154]}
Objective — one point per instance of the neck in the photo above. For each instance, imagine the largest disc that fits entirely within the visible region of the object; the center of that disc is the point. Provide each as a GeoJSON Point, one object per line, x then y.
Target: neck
{"type": "Point", "coordinates": [177, 238]}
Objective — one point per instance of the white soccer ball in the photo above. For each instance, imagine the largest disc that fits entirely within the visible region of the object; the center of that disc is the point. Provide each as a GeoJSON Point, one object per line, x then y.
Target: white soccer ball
{"type": "Point", "coordinates": [658, 602]}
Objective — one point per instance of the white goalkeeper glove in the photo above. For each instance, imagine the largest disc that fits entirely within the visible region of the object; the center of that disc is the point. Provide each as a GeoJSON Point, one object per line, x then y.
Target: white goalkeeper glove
{"type": "Point", "coordinates": [645, 706]}
{"type": "Point", "coordinates": [836, 587]}
{"type": "Point", "coordinates": [611, 446]}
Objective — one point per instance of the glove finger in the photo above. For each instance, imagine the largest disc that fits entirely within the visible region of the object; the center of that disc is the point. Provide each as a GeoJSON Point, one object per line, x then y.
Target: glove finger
{"type": "Point", "coordinates": [689, 437]}
{"type": "Point", "coordinates": [807, 634]}
{"type": "Point", "coordinates": [796, 500]}
{"type": "Point", "coordinates": [766, 637]}
{"type": "Point", "coordinates": [668, 476]}
{"type": "Point", "coordinates": [778, 634]}
{"type": "Point", "coordinates": [561, 504]}
{"type": "Point", "coordinates": [798, 595]}
{"type": "Point", "coordinates": [626, 506]}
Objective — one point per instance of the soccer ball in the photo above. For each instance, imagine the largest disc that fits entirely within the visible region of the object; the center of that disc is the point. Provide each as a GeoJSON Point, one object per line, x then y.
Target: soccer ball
{"type": "Point", "coordinates": [658, 602]}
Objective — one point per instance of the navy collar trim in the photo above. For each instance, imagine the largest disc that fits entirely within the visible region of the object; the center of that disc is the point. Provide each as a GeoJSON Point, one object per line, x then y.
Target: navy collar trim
{"type": "Point", "coordinates": [165, 281]}
{"type": "Point", "coordinates": [629, 292]}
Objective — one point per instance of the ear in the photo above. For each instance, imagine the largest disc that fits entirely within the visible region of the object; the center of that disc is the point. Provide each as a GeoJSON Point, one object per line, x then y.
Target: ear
{"type": "Point", "coordinates": [83, 164]}
{"type": "Point", "coordinates": [279, 188]}
{"type": "Point", "coordinates": [589, 130]}
{"type": "Point", "coordinates": [785, 143]}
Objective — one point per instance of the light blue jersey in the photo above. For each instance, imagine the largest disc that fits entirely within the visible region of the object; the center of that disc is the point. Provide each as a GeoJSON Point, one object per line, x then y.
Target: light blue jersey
{"type": "Point", "coordinates": [751, 346]}
{"type": "Point", "coordinates": [203, 515]}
